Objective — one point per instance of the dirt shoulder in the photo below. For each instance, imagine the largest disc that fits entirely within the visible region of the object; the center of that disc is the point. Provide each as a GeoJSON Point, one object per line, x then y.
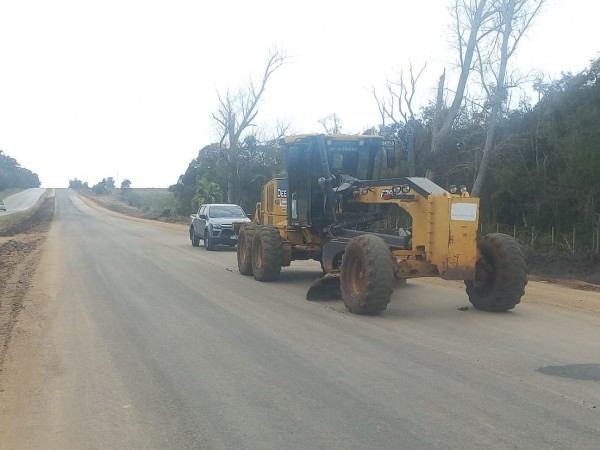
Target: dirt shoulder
{"type": "Point", "coordinates": [570, 297]}
{"type": "Point", "coordinates": [21, 240]}
{"type": "Point", "coordinates": [106, 206]}
{"type": "Point", "coordinates": [114, 202]}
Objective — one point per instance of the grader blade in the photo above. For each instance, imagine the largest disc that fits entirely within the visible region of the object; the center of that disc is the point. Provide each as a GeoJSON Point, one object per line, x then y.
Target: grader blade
{"type": "Point", "coordinates": [325, 288]}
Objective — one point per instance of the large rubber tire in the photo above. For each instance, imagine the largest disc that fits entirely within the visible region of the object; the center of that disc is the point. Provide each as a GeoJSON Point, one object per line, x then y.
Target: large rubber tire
{"type": "Point", "coordinates": [244, 249]}
{"type": "Point", "coordinates": [208, 242]}
{"type": "Point", "coordinates": [501, 274]}
{"type": "Point", "coordinates": [195, 239]}
{"type": "Point", "coordinates": [267, 253]}
{"type": "Point", "coordinates": [367, 275]}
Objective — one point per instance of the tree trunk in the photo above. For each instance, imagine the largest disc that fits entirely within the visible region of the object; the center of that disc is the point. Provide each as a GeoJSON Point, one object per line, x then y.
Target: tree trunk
{"type": "Point", "coordinates": [446, 126]}
{"type": "Point", "coordinates": [437, 117]}
{"type": "Point", "coordinates": [438, 111]}
{"type": "Point", "coordinates": [231, 154]}
{"type": "Point", "coordinates": [497, 102]}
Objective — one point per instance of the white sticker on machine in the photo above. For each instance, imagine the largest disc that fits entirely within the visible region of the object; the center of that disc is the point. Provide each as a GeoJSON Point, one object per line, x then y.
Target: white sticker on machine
{"type": "Point", "coordinates": [464, 211]}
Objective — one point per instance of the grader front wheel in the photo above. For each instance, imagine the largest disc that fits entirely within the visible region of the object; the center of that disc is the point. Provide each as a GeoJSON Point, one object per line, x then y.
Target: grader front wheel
{"type": "Point", "coordinates": [244, 249]}
{"type": "Point", "coordinates": [267, 253]}
{"type": "Point", "coordinates": [367, 275]}
{"type": "Point", "coordinates": [501, 274]}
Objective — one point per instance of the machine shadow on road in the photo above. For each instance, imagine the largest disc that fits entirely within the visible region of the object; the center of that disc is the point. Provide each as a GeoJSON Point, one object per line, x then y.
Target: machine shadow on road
{"type": "Point", "coordinates": [410, 302]}
{"type": "Point", "coordinates": [407, 302]}
{"type": "Point", "coordinates": [222, 248]}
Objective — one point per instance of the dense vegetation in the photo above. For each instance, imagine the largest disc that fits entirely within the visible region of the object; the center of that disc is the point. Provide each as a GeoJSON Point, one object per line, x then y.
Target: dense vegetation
{"type": "Point", "coordinates": [543, 174]}
{"type": "Point", "coordinates": [546, 160]}
{"type": "Point", "coordinates": [207, 175]}
{"type": "Point", "coordinates": [12, 175]}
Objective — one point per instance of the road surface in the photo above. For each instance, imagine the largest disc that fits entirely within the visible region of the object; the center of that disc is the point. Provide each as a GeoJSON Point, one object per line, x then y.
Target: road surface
{"type": "Point", "coordinates": [134, 339]}
{"type": "Point", "coordinates": [22, 201]}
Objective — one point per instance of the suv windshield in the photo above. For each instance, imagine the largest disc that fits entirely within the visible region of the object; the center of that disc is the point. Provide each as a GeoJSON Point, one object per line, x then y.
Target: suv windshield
{"type": "Point", "coordinates": [223, 211]}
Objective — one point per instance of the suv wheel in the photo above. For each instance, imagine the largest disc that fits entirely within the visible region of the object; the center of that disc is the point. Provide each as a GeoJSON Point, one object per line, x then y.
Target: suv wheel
{"type": "Point", "coordinates": [195, 239]}
{"type": "Point", "coordinates": [208, 242]}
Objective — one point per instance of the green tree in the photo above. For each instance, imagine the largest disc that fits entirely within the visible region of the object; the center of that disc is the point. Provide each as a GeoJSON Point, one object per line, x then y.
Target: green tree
{"type": "Point", "coordinates": [255, 161]}
{"type": "Point", "coordinates": [208, 164]}
{"type": "Point", "coordinates": [75, 184]}
{"type": "Point", "coordinates": [206, 192]}
{"type": "Point", "coordinates": [12, 175]}
{"type": "Point", "coordinates": [104, 186]}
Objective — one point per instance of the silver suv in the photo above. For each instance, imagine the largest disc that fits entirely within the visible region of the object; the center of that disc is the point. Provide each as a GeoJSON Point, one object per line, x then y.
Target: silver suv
{"type": "Point", "coordinates": [2, 205]}
{"type": "Point", "coordinates": [214, 224]}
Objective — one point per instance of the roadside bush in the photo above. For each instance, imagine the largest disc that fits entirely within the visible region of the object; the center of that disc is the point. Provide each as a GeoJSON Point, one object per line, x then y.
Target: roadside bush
{"type": "Point", "coordinates": [131, 198]}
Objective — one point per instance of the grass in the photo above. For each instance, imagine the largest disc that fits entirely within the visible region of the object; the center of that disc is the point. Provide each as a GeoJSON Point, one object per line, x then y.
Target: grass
{"type": "Point", "coordinates": [8, 192]}
{"type": "Point", "coordinates": [9, 221]}
{"type": "Point", "coordinates": [148, 203]}
{"type": "Point", "coordinates": [154, 200]}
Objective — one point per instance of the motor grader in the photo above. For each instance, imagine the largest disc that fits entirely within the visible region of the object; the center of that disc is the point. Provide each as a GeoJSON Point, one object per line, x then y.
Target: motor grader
{"type": "Point", "coordinates": [330, 207]}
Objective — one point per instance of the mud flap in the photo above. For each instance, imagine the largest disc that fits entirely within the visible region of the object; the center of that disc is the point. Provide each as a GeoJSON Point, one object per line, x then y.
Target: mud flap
{"type": "Point", "coordinates": [325, 288]}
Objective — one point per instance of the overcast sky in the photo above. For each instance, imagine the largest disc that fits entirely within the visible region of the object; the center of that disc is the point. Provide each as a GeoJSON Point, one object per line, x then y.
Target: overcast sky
{"type": "Point", "coordinates": [126, 88]}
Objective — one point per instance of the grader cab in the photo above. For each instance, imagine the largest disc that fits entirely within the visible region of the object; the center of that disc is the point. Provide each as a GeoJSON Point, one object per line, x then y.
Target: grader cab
{"type": "Point", "coordinates": [370, 233]}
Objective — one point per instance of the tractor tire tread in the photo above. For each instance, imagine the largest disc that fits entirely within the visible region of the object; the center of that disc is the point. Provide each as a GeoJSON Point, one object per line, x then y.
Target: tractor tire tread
{"type": "Point", "coordinates": [378, 273]}
{"type": "Point", "coordinates": [272, 253]}
{"type": "Point", "coordinates": [244, 249]}
{"type": "Point", "coordinates": [505, 290]}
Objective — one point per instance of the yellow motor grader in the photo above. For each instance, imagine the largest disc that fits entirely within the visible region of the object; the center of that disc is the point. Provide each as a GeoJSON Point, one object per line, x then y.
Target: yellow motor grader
{"type": "Point", "coordinates": [329, 208]}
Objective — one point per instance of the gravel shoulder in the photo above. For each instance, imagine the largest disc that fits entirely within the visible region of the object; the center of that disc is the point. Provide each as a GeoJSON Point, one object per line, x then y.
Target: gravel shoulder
{"type": "Point", "coordinates": [21, 241]}
{"type": "Point", "coordinates": [129, 214]}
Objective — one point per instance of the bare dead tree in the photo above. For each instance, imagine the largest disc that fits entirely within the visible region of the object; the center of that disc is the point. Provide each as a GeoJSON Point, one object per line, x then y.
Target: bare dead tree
{"type": "Point", "coordinates": [470, 26]}
{"type": "Point", "coordinates": [512, 19]}
{"type": "Point", "coordinates": [332, 124]}
{"type": "Point", "coordinates": [396, 104]}
{"type": "Point", "coordinates": [283, 127]}
{"type": "Point", "coordinates": [271, 134]}
{"type": "Point", "coordinates": [470, 18]}
{"type": "Point", "coordinates": [237, 111]}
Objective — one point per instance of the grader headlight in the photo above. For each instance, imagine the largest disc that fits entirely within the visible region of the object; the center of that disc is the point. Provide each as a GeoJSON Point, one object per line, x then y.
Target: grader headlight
{"type": "Point", "coordinates": [453, 189]}
{"type": "Point", "coordinates": [397, 190]}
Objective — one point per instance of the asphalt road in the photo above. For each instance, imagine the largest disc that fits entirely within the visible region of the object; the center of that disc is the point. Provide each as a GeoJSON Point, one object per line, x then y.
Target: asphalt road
{"type": "Point", "coordinates": [148, 342]}
{"type": "Point", "coordinates": [22, 201]}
